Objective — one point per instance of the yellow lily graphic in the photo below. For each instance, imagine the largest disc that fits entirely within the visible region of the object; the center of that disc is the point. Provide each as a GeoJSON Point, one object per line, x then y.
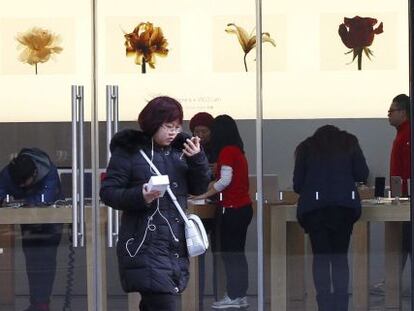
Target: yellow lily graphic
{"type": "Point", "coordinates": [144, 43]}
{"type": "Point", "coordinates": [247, 41]}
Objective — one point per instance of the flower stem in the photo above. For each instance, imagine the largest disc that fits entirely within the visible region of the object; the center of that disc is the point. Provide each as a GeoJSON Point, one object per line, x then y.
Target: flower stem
{"type": "Point", "coordinates": [360, 60]}
{"type": "Point", "coordinates": [35, 68]}
{"type": "Point", "coordinates": [245, 62]}
{"type": "Point", "coordinates": [143, 66]}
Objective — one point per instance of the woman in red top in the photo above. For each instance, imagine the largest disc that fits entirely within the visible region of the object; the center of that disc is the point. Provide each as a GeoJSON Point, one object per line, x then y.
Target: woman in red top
{"type": "Point", "coordinates": [233, 183]}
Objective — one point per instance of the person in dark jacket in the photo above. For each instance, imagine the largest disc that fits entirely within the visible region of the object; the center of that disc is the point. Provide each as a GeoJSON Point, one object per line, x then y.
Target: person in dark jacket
{"type": "Point", "coordinates": [33, 178]}
{"type": "Point", "coordinates": [152, 253]}
{"type": "Point", "coordinates": [327, 167]}
{"type": "Point", "coordinates": [200, 125]}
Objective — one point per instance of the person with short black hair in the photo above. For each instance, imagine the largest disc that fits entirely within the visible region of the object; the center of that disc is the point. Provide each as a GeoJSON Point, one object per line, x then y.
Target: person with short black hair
{"type": "Point", "coordinates": [22, 169]}
{"type": "Point", "coordinates": [33, 178]}
{"type": "Point", "coordinates": [399, 117]}
{"type": "Point", "coordinates": [400, 160]}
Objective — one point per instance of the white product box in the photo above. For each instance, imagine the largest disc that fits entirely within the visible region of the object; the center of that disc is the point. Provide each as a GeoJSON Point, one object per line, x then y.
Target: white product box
{"type": "Point", "coordinates": [159, 183]}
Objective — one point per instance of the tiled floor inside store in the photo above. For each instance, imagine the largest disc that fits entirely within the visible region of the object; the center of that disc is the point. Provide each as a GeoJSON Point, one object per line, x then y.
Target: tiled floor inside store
{"type": "Point", "coordinates": [118, 303]}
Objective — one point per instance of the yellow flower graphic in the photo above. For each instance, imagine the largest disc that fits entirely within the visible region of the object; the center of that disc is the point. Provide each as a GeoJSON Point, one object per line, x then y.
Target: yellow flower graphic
{"type": "Point", "coordinates": [247, 41]}
{"type": "Point", "coordinates": [38, 46]}
{"type": "Point", "coordinates": [144, 43]}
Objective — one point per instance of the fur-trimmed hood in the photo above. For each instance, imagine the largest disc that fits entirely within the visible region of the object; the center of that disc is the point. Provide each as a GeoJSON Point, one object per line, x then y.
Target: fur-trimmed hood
{"type": "Point", "coordinates": [132, 140]}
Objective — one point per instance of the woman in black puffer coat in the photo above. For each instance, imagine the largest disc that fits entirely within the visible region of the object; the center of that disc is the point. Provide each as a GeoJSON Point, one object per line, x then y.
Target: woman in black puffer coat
{"type": "Point", "coordinates": [152, 252]}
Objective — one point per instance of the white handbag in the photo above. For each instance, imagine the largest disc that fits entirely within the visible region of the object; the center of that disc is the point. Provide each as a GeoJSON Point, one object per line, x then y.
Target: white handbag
{"type": "Point", "coordinates": [195, 234]}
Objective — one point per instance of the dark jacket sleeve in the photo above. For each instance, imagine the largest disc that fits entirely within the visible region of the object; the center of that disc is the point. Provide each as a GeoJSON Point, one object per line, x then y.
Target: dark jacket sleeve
{"type": "Point", "coordinates": [117, 191]}
{"type": "Point", "coordinates": [198, 175]}
{"type": "Point", "coordinates": [49, 187]}
{"type": "Point", "coordinates": [299, 171]}
{"type": "Point", "coordinates": [360, 169]}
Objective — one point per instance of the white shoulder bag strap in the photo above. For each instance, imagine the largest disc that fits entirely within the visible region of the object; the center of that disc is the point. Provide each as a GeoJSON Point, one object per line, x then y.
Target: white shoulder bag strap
{"type": "Point", "coordinates": [195, 234]}
{"type": "Point", "coordinates": [173, 197]}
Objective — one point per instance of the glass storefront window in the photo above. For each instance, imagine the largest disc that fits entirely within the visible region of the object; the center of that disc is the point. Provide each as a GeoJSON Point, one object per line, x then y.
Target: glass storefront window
{"type": "Point", "coordinates": [316, 70]}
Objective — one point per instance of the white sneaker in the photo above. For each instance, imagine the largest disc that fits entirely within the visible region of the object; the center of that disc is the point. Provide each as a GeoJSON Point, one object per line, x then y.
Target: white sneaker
{"type": "Point", "coordinates": [227, 302]}
{"type": "Point", "coordinates": [377, 289]}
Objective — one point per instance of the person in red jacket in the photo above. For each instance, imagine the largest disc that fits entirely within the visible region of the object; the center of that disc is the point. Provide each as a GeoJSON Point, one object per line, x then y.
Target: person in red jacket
{"type": "Point", "coordinates": [400, 163]}
{"type": "Point", "coordinates": [232, 182]}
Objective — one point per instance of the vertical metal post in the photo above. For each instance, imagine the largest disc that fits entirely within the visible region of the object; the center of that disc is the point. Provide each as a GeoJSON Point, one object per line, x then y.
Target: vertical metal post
{"type": "Point", "coordinates": [112, 119]}
{"type": "Point", "coordinates": [81, 163]}
{"type": "Point", "coordinates": [109, 134]}
{"type": "Point", "coordinates": [78, 206]}
{"type": "Point", "coordinates": [97, 297]}
{"type": "Point", "coordinates": [116, 128]}
{"type": "Point", "coordinates": [411, 93]}
{"type": "Point", "coordinates": [259, 157]}
{"type": "Point", "coordinates": [74, 165]}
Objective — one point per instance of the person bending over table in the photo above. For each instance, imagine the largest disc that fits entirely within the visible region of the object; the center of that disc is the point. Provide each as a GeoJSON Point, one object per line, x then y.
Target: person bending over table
{"type": "Point", "coordinates": [33, 178]}
{"type": "Point", "coordinates": [327, 167]}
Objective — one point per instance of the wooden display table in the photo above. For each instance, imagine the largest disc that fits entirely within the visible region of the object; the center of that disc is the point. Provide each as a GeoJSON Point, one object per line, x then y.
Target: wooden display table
{"type": "Point", "coordinates": [288, 248]}
{"type": "Point", "coordinates": [43, 215]}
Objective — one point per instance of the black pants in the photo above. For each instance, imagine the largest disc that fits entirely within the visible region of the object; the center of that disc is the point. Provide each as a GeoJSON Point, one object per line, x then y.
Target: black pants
{"type": "Point", "coordinates": [330, 249]}
{"type": "Point", "coordinates": [40, 243]}
{"type": "Point", "coordinates": [157, 302]}
{"type": "Point", "coordinates": [209, 225]}
{"type": "Point", "coordinates": [233, 231]}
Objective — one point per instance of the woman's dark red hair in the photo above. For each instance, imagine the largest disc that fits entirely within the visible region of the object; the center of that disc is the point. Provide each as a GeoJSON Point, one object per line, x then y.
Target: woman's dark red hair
{"type": "Point", "coordinates": [159, 110]}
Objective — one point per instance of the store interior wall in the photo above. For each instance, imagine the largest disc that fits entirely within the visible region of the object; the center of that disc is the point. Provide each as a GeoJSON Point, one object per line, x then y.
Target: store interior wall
{"type": "Point", "coordinates": [280, 138]}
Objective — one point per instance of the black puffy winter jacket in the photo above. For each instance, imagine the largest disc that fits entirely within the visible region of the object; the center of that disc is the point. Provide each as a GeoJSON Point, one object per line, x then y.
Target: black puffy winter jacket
{"type": "Point", "coordinates": [151, 249]}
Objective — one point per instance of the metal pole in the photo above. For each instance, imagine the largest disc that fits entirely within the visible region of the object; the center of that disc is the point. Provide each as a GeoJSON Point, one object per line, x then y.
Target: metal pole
{"type": "Point", "coordinates": [108, 120]}
{"type": "Point", "coordinates": [81, 175]}
{"type": "Point", "coordinates": [109, 134]}
{"type": "Point", "coordinates": [115, 130]}
{"type": "Point", "coordinates": [112, 120]}
{"type": "Point", "coordinates": [74, 166]}
{"type": "Point", "coordinates": [411, 93]}
{"type": "Point", "coordinates": [97, 296]}
{"type": "Point", "coordinates": [259, 156]}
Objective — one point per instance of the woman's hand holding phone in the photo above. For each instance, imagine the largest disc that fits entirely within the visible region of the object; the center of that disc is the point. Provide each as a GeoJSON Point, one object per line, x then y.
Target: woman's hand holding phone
{"type": "Point", "coordinates": [191, 146]}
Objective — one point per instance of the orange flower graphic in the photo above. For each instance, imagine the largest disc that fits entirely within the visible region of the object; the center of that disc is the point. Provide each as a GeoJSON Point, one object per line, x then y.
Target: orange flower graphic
{"type": "Point", "coordinates": [358, 33]}
{"type": "Point", "coordinates": [144, 43]}
{"type": "Point", "coordinates": [38, 46]}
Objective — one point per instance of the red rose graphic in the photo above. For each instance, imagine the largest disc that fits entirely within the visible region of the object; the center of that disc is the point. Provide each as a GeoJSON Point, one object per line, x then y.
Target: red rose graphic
{"type": "Point", "coordinates": [358, 34]}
